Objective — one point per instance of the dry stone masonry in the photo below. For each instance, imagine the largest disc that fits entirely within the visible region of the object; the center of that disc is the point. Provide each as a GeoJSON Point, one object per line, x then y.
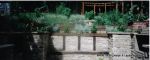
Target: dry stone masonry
{"type": "Point", "coordinates": [79, 47]}
{"type": "Point", "coordinates": [121, 49]}
{"type": "Point", "coordinates": [82, 47]}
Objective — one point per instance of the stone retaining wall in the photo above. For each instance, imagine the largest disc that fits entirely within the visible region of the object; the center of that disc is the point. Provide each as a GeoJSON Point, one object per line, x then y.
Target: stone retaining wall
{"type": "Point", "coordinates": [81, 47]}
{"type": "Point", "coordinates": [118, 47]}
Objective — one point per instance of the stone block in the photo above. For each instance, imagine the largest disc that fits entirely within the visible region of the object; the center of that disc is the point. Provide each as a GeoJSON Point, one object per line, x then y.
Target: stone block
{"type": "Point", "coordinates": [86, 44]}
{"type": "Point", "coordinates": [71, 43]}
{"type": "Point", "coordinates": [58, 42]}
{"type": "Point", "coordinates": [101, 44]}
{"type": "Point", "coordinates": [79, 57]}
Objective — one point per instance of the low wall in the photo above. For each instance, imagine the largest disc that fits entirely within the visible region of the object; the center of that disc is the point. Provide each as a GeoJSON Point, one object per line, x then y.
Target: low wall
{"type": "Point", "coordinates": [80, 46]}
{"type": "Point", "coordinates": [64, 46]}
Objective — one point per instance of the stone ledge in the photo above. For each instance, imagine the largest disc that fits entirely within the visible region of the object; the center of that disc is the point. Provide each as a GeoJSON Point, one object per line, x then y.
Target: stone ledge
{"type": "Point", "coordinates": [79, 52]}
{"type": "Point", "coordinates": [121, 33]}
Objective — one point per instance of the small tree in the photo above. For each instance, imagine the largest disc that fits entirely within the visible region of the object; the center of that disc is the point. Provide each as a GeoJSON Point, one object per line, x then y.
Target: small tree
{"type": "Point", "coordinates": [61, 9]}
{"type": "Point", "coordinates": [89, 15]}
{"type": "Point", "coordinates": [94, 29]}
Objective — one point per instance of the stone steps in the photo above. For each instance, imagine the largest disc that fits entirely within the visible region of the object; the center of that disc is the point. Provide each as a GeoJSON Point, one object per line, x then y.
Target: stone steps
{"type": "Point", "coordinates": [121, 47]}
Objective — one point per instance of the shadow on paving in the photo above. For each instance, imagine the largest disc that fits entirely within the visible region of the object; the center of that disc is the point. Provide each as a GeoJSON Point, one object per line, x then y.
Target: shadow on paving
{"type": "Point", "coordinates": [22, 46]}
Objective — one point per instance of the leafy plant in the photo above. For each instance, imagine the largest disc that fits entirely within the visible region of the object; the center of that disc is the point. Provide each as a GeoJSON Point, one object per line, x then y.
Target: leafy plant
{"type": "Point", "coordinates": [67, 28]}
{"type": "Point", "coordinates": [94, 29]}
{"type": "Point", "coordinates": [75, 18]}
{"type": "Point", "coordinates": [99, 20]}
{"type": "Point", "coordinates": [61, 9]}
{"type": "Point", "coordinates": [89, 15]}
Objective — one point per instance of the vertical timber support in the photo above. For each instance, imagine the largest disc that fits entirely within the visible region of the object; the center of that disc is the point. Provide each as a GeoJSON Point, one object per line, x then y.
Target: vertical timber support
{"type": "Point", "coordinates": [141, 11]}
{"type": "Point", "coordinates": [131, 4]}
{"type": "Point", "coordinates": [64, 43]}
{"type": "Point", "coordinates": [105, 7]}
{"type": "Point", "coordinates": [122, 7]}
{"type": "Point", "coordinates": [82, 11]}
{"type": "Point", "coordinates": [116, 5]}
{"type": "Point", "coordinates": [94, 43]}
{"type": "Point", "coordinates": [94, 9]}
{"type": "Point", "coordinates": [79, 42]}
{"type": "Point", "coordinates": [133, 37]}
{"type": "Point", "coordinates": [110, 46]}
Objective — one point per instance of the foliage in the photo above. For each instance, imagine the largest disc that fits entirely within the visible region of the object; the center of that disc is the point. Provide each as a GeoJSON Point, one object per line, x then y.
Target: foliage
{"type": "Point", "coordinates": [114, 18]}
{"type": "Point", "coordinates": [67, 28]}
{"type": "Point", "coordinates": [89, 15]}
{"type": "Point", "coordinates": [25, 20]}
{"type": "Point", "coordinates": [52, 19]}
{"type": "Point", "coordinates": [99, 20]}
{"type": "Point", "coordinates": [75, 18]}
{"type": "Point", "coordinates": [61, 9]}
{"type": "Point", "coordinates": [134, 16]}
{"type": "Point", "coordinates": [79, 24]}
{"type": "Point", "coordinates": [42, 23]}
{"type": "Point", "coordinates": [82, 27]}
{"type": "Point", "coordinates": [94, 29]}
{"type": "Point", "coordinates": [142, 17]}
{"type": "Point", "coordinates": [118, 19]}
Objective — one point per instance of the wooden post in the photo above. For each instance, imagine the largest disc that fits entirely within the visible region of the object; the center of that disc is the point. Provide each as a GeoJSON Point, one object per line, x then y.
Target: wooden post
{"type": "Point", "coordinates": [116, 5]}
{"type": "Point", "coordinates": [79, 42]}
{"type": "Point", "coordinates": [64, 42]}
{"type": "Point", "coordinates": [141, 7]}
{"type": "Point", "coordinates": [122, 7]}
{"type": "Point", "coordinates": [82, 11]}
{"type": "Point", "coordinates": [94, 9]}
{"type": "Point", "coordinates": [105, 7]}
{"type": "Point", "coordinates": [94, 43]}
{"type": "Point", "coordinates": [131, 3]}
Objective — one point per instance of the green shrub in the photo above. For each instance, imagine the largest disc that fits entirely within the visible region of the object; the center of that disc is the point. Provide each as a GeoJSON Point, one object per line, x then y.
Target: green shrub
{"type": "Point", "coordinates": [61, 9]}
{"type": "Point", "coordinates": [99, 20]}
{"type": "Point", "coordinates": [67, 28]}
{"type": "Point", "coordinates": [43, 23]}
{"type": "Point", "coordinates": [76, 18]}
{"type": "Point", "coordinates": [52, 19]}
{"type": "Point", "coordinates": [89, 15]}
{"type": "Point", "coordinates": [94, 29]}
{"type": "Point", "coordinates": [114, 18]}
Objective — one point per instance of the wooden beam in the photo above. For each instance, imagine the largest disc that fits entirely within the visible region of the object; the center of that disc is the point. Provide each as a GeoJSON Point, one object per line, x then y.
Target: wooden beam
{"type": "Point", "coordinates": [99, 5]}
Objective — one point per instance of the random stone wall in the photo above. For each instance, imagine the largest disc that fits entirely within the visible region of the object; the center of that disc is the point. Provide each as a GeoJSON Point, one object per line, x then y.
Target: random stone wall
{"type": "Point", "coordinates": [116, 47]}
{"type": "Point", "coordinates": [79, 57]}
{"type": "Point", "coordinates": [82, 47]}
